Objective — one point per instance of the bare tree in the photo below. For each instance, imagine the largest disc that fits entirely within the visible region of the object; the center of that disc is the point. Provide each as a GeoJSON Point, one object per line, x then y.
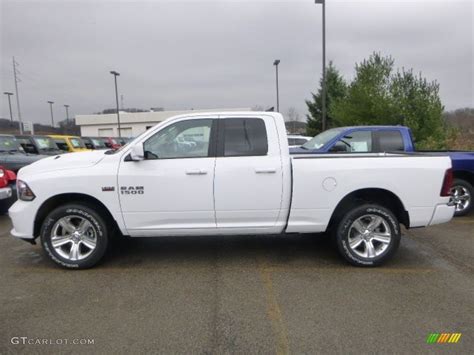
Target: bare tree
{"type": "Point", "coordinates": [293, 117]}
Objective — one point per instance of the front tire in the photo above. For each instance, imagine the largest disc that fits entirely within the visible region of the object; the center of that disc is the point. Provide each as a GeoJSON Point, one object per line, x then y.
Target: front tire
{"type": "Point", "coordinates": [74, 236]}
{"type": "Point", "coordinates": [368, 235]}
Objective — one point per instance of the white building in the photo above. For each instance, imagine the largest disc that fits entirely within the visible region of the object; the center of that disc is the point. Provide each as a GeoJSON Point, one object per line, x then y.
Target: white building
{"type": "Point", "coordinates": [131, 123]}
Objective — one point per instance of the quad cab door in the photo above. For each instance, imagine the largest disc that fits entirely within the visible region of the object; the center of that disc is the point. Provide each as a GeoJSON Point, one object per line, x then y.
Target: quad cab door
{"type": "Point", "coordinates": [248, 184]}
{"type": "Point", "coordinates": [170, 192]}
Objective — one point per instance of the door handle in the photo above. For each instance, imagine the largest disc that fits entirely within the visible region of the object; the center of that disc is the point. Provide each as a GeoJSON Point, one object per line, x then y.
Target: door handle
{"type": "Point", "coordinates": [196, 172]}
{"type": "Point", "coordinates": [265, 170]}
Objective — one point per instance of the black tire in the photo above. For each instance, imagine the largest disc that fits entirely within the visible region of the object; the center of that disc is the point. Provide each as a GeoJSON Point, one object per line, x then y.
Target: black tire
{"type": "Point", "coordinates": [98, 226]}
{"type": "Point", "coordinates": [470, 190]}
{"type": "Point", "coordinates": [344, 229]}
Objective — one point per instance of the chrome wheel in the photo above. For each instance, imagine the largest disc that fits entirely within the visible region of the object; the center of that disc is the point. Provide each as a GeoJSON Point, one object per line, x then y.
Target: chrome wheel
{"type": "Point", "coordinates": [369, 236]}
{"type": "Point", "coordinates": [73, 237]}
{"type": "Point", "coordinates": [460, 197]}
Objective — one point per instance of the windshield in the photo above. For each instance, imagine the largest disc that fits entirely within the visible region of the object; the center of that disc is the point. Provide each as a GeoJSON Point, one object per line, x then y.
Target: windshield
{"type": "Point", "coordinates": [98, 143]}
{"type": "Point", "coordinates": [77, 143]}
{"type": "Point", "coordinates": [8, 144]}
{"type": "Point", "coordinates": [45, 143]}
{"type": "Point", "coordinates": [321, 139]}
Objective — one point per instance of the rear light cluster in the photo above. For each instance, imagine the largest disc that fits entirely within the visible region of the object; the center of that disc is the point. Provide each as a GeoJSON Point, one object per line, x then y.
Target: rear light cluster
{"type": "Point", "coordinates": [447, 183]}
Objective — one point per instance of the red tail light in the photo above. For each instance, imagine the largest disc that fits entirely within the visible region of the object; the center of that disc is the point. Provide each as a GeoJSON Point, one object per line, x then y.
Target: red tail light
{"type": "Point", "coordinates": [447, 183]}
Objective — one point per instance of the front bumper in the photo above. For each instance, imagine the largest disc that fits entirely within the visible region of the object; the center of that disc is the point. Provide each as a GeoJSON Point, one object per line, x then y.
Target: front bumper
{"type": "Point", "coordinates": [442, 214]}
{"type": "Point", "coordinates": [22, 214]}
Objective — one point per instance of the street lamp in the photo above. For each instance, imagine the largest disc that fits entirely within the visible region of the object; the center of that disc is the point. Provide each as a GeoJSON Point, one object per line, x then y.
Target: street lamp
{"type": "Point", "coordinates": [275, 63]}
{"type": "Point", "coordinates": [51, 109]}
{"type": "Point", "coordinates": [10, 105]}
{"type": "Point", "coordinates": [115, 74]}
{"type": "Point", "coordinates": [323, 2]}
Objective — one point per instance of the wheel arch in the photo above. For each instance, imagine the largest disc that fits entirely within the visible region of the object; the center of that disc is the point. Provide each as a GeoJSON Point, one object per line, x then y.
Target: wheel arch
{"type": "Point", "coordinates": [379, 196]}
{"type": "Point", "coordinates": [58, 200]}
{"type": "Point", "coordinates": [464, 175]}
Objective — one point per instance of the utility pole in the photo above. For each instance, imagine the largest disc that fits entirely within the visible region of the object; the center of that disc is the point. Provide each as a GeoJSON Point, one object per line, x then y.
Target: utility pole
{"type": "Point", "coordinates": [115, 74]}
{"type": "Point", "coordinates": [51, 108]}
{"type": "Point", "coordinates": [323, 2]}
{"type": "Point", "coordinates": [17, 97]}
{"type": "Point", "coordinates": [10, 106]}
{"type": "Point", "coordinates": [275, 63]}
{"type": "Point", "coordinates": [67, 117]}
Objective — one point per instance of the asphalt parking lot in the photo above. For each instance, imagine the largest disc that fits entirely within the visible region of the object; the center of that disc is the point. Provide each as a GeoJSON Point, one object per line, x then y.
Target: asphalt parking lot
{"type": "Point", "coordinates": [242, 295]}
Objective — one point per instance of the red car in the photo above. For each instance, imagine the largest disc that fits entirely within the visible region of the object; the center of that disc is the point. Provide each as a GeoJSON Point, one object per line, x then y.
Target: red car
{"type": "Point", "coordinates": [7, 189]}
{"type": "Point", "coordinates": [111, 143]}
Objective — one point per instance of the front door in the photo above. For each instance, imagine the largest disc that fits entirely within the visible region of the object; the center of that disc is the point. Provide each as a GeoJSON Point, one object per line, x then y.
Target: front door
{"type": "Point", "coordinates": [171, 191]}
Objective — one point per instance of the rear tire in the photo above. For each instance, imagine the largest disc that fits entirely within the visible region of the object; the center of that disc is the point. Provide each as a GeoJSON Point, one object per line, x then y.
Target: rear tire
{"type": "Point", "coordinates": [74, 236]}
{"type": "Point", "coordinates": [462, 194]}
{"type": "Point", "coordinates": [368, 235]}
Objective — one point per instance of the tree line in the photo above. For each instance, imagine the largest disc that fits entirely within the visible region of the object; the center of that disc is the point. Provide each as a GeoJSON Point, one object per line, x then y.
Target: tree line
{"type": "Point", "coordinates": [380, 94]}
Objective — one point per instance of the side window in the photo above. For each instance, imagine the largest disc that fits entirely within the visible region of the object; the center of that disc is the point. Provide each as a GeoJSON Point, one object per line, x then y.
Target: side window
{"type": "Point", "coordinates": [354, 142]}
{"type": "Point", "coordinates": [291, 141]}
{"type": "Point", "coordinates": [245, 137]}
{"type": "Point", "coordinates": [184, 139]}
{"type": "Point", "coordinates": [390, 141]}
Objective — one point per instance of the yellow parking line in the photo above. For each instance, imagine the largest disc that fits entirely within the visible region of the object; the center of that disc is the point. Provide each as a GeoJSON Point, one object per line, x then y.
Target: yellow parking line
{"type": "Point", "coordinates": [274, 312]}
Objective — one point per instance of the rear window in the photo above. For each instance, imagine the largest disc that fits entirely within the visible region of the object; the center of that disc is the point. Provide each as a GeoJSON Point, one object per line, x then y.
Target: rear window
{"type": "Point", "coordinates": [245, 137]}
{"type": "Point", "coordinates": [390, 141]}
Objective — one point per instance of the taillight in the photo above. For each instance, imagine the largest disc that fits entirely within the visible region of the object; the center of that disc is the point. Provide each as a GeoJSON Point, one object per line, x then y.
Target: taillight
{"type": "Point", "coordinates": [447, 183]}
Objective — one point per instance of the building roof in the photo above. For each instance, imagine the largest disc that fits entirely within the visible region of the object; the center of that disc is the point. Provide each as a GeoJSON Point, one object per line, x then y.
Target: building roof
{"type": "Point", "coordinates": [141, 117]}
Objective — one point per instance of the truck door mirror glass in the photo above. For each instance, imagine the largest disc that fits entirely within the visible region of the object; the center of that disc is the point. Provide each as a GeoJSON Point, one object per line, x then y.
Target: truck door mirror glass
{"type": "Point", "coordinates": [137, 153]}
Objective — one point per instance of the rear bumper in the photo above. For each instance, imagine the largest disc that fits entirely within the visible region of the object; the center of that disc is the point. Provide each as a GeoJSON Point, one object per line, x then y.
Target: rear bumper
{"type": "Point", "coordinates": [442, 214]}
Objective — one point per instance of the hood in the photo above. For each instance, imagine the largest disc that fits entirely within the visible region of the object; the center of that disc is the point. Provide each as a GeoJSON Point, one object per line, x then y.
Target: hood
{"type": "Point", "coordinates": [299, 150]}
{"type": "Point", "coordinates": [64, 161]}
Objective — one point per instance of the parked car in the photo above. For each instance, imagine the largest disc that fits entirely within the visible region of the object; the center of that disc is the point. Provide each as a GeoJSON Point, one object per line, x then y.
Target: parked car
{"type": "Point", "coordinates": [69, 143]}
{"type": "Point", "coordinates": [39, 145]}
{"type": "Point", "coordinates": [377, 139]}
{"type": "Point", "coordinates": [296, 140]}
{"type": "Point", "coordinates": [7, 189]}
{"type": "Point", "coordinates": [238, 178]}
{"type": "Point", "coordinates": [94, 143]}
{"type": "Point", "coordinates": [13, 156]}
{"type": "Point", "coordinates": [111, 143]}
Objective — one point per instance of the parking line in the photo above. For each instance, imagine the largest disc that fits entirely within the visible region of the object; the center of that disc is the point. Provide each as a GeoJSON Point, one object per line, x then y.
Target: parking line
{"type": "Point", "coordinates": [273, 311]}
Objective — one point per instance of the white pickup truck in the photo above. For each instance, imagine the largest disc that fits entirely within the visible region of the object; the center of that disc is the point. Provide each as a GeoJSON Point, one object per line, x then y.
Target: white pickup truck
{"type": "Point", "coordinates": [226, 174]}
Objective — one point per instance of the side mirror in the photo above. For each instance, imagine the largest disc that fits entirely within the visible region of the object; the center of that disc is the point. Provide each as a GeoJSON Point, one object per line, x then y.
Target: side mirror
{"type": "Point", "coordinates": [137, 153]}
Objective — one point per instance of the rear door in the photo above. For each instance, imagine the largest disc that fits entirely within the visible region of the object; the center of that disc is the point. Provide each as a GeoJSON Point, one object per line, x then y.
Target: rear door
{"type": "Point", "coordinates": [248, 177]}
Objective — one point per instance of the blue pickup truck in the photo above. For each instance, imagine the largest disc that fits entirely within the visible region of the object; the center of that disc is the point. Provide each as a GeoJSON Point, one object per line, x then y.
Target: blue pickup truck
{"type": "Point", "coordinates": [379, 139]}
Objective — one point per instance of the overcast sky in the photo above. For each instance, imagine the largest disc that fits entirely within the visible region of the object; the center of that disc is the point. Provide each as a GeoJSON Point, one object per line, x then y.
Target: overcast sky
{"type": "Point", "coordinates": [197, 54]}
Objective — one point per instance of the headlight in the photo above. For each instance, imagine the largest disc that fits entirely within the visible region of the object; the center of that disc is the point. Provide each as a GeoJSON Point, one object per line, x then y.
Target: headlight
{"type": "Point", "coordinates": [2, 173]}
{"type": "Point", "coordinates": [24, 192]}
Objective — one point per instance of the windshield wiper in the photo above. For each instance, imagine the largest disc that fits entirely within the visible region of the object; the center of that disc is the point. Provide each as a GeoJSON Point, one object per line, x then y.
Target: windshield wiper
{"type": "Point", "coordinates": [303, 147]}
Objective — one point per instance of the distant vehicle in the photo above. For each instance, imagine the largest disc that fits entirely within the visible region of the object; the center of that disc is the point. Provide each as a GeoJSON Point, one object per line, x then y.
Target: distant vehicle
{"type": "Point", "coordinates": [39, 145]}
{"type": "Point", "coordinates": [69, 143]}
{"type": "Point", "coordinates": [296, 140]}
{"type": "Point", "coordinates": [7, 189]}
{"type": "Point", "coordinates": [94, 143]}
{"type": "Point", "coordinates": [123, 140]}
{"type": "Point", "coordinates": [111, 143]}
{"type": "Point", "coordinates": [379, 139]}
{"type": "Point", "coordinates": [13, 156]}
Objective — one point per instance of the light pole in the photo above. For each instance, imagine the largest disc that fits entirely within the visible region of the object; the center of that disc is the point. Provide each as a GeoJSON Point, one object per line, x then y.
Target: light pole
{"type": "Point", "coordinates": [323, 2]}
{"type": "Point", "coordinates": [275, 63]}
{"type": "Point", "coordinates": [67, 117]}
{"type": "Point", "coordinates": [10, 105]}
{"type": "Point", "coordinates": [51, 109]}
{"type": "Point", "coordinates": [115, 74]}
